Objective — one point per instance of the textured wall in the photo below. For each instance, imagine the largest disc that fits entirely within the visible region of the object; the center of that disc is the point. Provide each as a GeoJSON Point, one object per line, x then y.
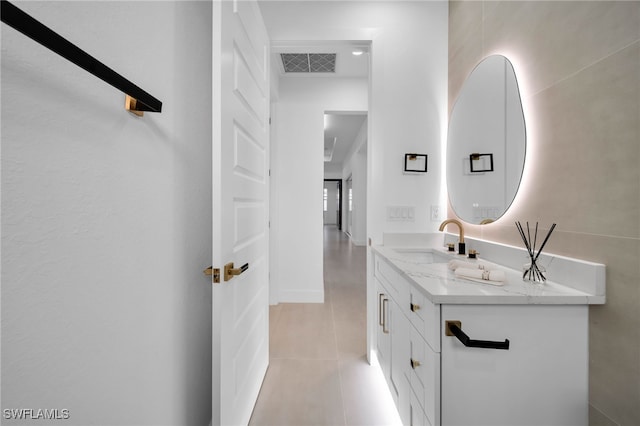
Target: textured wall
{"type": "Point", "coordinates": [578, 65]}
{"type": "Point", "coordinates": [106, 218]}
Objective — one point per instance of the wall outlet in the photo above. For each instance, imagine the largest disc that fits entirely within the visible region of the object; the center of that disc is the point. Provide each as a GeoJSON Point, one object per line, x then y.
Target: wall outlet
{"type": "Point", "coordinates": [435, 213]}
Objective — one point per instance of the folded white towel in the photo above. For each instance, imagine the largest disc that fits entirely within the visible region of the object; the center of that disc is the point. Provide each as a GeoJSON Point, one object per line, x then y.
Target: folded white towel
{"type": "Point", "coordinates": [494, 277]}
{"type": "Point", "coordinates": [455, 264]}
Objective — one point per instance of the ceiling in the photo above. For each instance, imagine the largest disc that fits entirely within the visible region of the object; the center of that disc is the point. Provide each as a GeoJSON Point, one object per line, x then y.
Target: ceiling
{"type": "Point", "coordinates": [342, 127]}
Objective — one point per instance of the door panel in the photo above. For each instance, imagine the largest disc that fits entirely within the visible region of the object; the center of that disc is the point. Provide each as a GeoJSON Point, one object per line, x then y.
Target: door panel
{"type": "Point", "coordinates": [240, 206]}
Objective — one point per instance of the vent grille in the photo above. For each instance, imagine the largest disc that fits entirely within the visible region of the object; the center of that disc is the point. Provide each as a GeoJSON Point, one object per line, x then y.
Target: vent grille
{"type": "Point", "coordinates": [309, 62]}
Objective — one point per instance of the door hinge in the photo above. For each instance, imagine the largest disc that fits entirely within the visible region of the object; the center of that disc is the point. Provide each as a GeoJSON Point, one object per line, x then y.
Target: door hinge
{"type": "Point", "coordinates": [269, 121]}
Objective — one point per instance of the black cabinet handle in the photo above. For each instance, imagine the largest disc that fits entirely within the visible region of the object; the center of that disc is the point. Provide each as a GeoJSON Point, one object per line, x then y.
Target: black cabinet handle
{"type": "Point", "coordinates": [452, 328]}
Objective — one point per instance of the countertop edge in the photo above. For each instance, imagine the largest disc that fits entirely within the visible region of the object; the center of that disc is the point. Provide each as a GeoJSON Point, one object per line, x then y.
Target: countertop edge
{"type": "Point", "coordinates": [578, 298]}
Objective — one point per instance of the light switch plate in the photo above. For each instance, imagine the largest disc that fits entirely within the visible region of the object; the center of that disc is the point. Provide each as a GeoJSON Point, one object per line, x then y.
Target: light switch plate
{"type": "Point", "coordinates": [401, 214]}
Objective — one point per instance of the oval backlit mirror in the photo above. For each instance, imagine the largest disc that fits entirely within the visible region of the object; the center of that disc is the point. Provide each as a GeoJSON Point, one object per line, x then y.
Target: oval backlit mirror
{"type": "Point", "coordinates": [486, 143]}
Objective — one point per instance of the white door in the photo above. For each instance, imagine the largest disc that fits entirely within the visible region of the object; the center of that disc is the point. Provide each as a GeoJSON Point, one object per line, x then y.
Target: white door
{"type": "Point", "coordinates": [240, 208]}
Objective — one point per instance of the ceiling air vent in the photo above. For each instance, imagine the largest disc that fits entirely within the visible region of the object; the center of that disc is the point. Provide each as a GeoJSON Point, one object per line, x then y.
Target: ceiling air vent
{"type": "Point", "coordinates": [309, 62]}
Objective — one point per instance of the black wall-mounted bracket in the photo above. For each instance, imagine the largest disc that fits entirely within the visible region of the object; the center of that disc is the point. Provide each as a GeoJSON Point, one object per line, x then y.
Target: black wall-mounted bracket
{"type": "Point", "coordinates": [137, 99]}
{"type": "Point", "coordinates": [478, 163]}
{"type": "Point", "coordinates": [415, 163]}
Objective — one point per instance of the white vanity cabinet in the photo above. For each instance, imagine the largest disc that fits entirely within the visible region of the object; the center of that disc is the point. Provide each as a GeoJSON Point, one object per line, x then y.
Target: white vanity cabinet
{"type": "Point", "coordinates": [408, 359]}
{"type": "Point", "coordinates": [541, 379]}
{"type": "Point", "coordinates": [391, 328]}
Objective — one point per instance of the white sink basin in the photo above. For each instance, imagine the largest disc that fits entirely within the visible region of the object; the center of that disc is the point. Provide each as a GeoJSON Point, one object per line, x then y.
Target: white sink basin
{"type": "Point", "coordinates": [422, 255]}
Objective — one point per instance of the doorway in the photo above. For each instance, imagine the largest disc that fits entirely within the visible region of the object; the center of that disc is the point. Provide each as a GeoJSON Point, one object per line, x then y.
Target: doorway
{"type": "Point", "coordinates": [332, 202]}
{"type": "Point", "coordinates": [318, 123]}
{"type": "Point", "coordinates": [345, 140]}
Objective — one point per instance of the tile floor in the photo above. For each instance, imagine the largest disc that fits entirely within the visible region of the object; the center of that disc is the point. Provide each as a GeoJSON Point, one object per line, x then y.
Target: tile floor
{"type": "Point", "coordinates": [318, 373]}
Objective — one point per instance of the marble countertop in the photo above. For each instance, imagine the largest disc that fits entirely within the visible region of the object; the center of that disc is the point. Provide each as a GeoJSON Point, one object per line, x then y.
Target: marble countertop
{"type": "Point", "coordinates": [440, 285]}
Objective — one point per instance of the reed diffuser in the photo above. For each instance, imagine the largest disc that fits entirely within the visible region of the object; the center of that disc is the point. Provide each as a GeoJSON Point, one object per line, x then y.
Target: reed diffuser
{"type": "Point", "coordinates": [533, 272]}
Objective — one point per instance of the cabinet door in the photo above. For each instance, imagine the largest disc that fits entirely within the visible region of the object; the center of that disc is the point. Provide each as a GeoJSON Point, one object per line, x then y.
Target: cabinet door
{"type": "Point", "coordinates": [400, 327]}
{"type": "Point", "coordinates": [425, 317]}
{"type": "Point", "coordinates": [383, 335]}
{"type": "Point", "coordinates": [424, 373]}
{"type": "Point", "coordinates": [540, 380]}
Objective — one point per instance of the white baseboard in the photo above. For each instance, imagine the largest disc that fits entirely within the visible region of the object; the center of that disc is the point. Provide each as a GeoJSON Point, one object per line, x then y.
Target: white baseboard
{"type": "Point", "coordinates": [301, 296]}
{"type": "Point", "coordinates": [358, 242]}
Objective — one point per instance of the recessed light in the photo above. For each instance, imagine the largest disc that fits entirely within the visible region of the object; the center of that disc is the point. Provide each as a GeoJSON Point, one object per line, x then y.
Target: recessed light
{"type": "Point", "coordinates": [357, 52]}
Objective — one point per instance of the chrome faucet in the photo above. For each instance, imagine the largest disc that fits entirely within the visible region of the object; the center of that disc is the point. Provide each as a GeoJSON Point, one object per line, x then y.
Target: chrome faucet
{"type": "Point", "coordinates": [461, 244]}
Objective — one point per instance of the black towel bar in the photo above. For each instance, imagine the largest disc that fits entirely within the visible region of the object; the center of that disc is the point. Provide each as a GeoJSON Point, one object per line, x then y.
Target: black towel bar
{"type": "Point", "coordinates": [453, 329]}
{"type": "Point", "coordinates": [35, 30]}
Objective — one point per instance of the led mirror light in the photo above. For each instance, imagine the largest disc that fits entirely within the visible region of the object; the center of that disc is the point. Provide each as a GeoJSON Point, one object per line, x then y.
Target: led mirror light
{"type": "Point", "coordinates": [486, 118]}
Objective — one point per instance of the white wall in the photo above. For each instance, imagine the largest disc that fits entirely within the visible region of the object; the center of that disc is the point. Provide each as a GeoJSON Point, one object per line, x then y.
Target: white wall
{"type": "Point", "coordinates": [407, 108]}
{"type": "Point", "coordinates": [355, 166]}
{"type": "Point", "coordinates": [298, 173]}
{"type": "Point", "coordinates": [408, 113]}
{"type": "Point", "coordinates": [332, 171]}
{"type": "Point", "coordinates": [106, 218]}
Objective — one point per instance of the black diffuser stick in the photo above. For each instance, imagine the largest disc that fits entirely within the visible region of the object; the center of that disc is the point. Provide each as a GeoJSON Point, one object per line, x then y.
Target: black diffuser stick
{"type": "Point", "coordinates": [545, 241]}
{"type": "Point", "coordinates": [532, 270]}
{"type": "Point", "coordinates": [539, 273]}
{"type": "Point", "coordinates": [524, 238]}
{"type": "Point", "coordinates": [536, 272]}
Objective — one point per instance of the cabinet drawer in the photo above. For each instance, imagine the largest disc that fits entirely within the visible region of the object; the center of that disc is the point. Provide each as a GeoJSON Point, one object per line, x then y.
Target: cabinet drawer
{"type": "Point", "coordinates": [424, 374]}
{"type": "Point", "coordinates": [395, 284]}
{"type": "Point", "coordinates": [425, 317]}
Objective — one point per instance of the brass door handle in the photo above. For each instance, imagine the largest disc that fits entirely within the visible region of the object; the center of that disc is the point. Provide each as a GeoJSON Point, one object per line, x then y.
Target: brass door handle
{"type": "Point", "coordinates": [414, 307]}
{"type": "Point", "coordinates": [414, 363]}
{"type": "Point", "coordinates": [230, 272]}
{"type": "Point", "coordinates": [214, 272]}
{"type": "Point", "coordinates": [385, 330]}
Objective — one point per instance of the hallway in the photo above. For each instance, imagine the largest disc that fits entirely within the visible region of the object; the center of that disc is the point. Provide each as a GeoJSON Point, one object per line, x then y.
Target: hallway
{"type": "Point", "coordinates": [318, 373]}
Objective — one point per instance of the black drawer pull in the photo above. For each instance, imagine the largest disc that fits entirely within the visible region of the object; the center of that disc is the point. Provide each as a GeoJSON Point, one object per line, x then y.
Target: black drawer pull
{"type": "Point", "coordinates": [452, 328]}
